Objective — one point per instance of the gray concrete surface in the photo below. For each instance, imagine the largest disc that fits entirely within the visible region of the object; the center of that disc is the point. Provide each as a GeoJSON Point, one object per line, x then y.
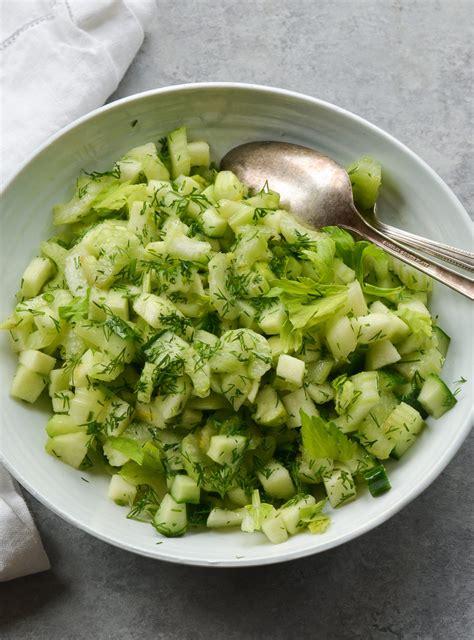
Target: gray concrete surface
{"type": "Point", "coordinates": [406, 66]}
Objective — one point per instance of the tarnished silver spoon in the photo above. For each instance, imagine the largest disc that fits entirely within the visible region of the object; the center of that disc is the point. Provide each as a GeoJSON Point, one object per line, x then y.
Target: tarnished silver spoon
{"type": "Point", "coordinates": [458, 257]}
{"type": "Point", "coordinates": [319, 192]}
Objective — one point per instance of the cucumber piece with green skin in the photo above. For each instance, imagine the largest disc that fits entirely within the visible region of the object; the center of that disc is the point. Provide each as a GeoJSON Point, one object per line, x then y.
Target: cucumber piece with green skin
{"type": "Point", "coordinates": [171, 519]}
{"type": "Point", "coordinates": [435, 397]}
{"type": "Point", "coordinates": [318, 372]}
{"type": "Point", "coordinates": [59, 425]}
{"type": "Point", "coordinates": [442, 340]}
{"type": "Point", "coordinates": [377, 480]}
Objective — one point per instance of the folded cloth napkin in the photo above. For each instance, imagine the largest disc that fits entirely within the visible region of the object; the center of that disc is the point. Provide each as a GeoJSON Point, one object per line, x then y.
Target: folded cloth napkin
{"type": "Point", "coordinates": [60, 59]}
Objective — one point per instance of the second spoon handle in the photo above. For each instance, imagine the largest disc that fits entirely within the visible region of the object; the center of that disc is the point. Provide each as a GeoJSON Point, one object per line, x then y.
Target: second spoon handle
{"type": "Point", "coordinates": [461, 283]}
{"type": "Point", "coordinates": [457, 257]}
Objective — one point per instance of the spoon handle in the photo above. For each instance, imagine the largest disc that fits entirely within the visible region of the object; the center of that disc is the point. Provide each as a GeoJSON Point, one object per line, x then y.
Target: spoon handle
{"type": "Point", "coordinates": [457, 257]}
{"type": "Point", "coordinates": [460, 283]}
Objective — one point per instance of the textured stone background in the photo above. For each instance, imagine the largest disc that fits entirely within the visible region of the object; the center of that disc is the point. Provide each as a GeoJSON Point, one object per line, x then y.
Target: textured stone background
{"type": "Point", "coordinates": [406, 66]}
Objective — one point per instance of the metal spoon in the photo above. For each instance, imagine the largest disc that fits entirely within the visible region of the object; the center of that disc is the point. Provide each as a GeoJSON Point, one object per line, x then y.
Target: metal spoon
{"type": "Point", "coordinates": [457, 257]}
{"type": "Point", "coordinates": [319, 192]}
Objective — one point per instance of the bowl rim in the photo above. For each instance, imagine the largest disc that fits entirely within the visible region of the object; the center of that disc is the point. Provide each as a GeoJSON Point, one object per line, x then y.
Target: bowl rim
{"type": "Point", "coordinates": [435, 470]}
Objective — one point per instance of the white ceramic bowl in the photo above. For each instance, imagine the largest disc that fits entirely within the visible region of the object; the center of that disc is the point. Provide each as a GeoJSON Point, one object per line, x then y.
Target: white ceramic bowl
{"type": "Point", "coordinates": [226, 115]}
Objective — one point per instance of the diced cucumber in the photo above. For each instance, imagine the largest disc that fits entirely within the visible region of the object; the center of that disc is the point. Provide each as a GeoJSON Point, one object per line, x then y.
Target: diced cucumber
{"type": "Point", "coordinates": [117, 416]}
{"type": "Point", "coordinates": [340, 486]}
{"type": "Point", "coordinates": [58, 381]}
{"type": "Point", "coordinates": [381, 354]}
{"type": "Point", "coordinates": [276, 480]}
{"type": "Point", "coordinates": [116, 458]}
{"type": "Point", "coordinates": [290, 512]}
{"type": "Point", "coordinates": [366, 176]}
{"type": "Point", "coordinates": [199, 154]}
{"type": "Point", "coordinates": [442, 340]}
{"type": "Point", "coordinates": [61, 401]}
{"type": "Point", "coordinates": [274, 528]}
{"type": "Point", "coordinates": [373, 438]}
{"type": "Point", "coordinates": [296, 401]}
{"type": "Point", "coordinates": [171, 519]}
{"type": "Point", "coordinates": [88, 404]}
{"type": "Point", "coordinates": [270, 410]}
{"type": "Point", "coordinates": [228, 186]}
{"type": "Point", "coordinates": [227, 450]}
{"type": "Point", "coordinates": [356, 304]}
{"type": "Point", "coordinates": [366, 395]}
{"type": "Point", "coordinates": [120, 491]}
{"type": "Point", "coordinates": [244, 323]}
{"type": "Point", "coordinates": [185, 489]}
{"type": "Point", "coordinates": [423, 363]}
{"type": "Point", "coordinates": [373, 327]}
{"type": "Point", "coordinates": [377, 480]}
{"type": "Point", "coordinates": [146, 156]}
{"type": "Point", "coordinates": [341, 337]}
{"type": "Point", "coordinates": [35, 276]}
{"type": "Point", "coordinates": [190, 249]}
{"type": "Point", "coordinates": [213, 224]}
{"type": "Point", "coordinates": [291, 370]}
{"type": "Point", "coordinates": [223, 518]}
{"type": "Point", "coordinates": [153, 309]}
{"type": "Point", "coordinates": [435, 396]}
{"type": "Point", "coordinates": [179, 152]}
{"type": "Point", "coordinates": [271, 320]}
{"type": "Point", "coordinates": [318, 372]}
{"type": "Point", "coordinates": [102, 303]}
{"type": "Point", "coordinates": [146, 382]}
{"type": "Point", "coordinates": [401, 427]}
{"type": "Point", "coordinates": [320, 393]}
{"type": "Point", "coordinates": [70, 448]}
{"type": "Point", "coordinates": [239, 496]}
{"type": "Point", "coordinates": [311, 470]}
{"type": "Point", "coordinates": [37, 361]}
{"type": "Point", "coordinates": [27, 384]}
{"type": "Point", "coordinates": [59, 425]}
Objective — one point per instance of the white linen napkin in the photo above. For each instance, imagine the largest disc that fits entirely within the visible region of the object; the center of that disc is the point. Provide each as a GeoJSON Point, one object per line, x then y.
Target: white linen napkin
{"type": "Point", "coordinates": [59, 60]}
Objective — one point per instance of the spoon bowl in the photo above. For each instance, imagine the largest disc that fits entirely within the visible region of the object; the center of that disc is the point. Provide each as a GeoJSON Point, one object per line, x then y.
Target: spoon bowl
{"type": "Point", "coordinates": [319, 192]}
